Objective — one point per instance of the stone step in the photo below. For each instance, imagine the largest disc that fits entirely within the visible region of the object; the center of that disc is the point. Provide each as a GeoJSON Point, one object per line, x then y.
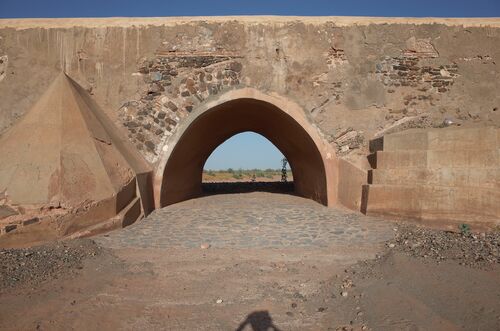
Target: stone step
{"type": "Point", "coordinates": [406, 140]}
{"type": "Point", "coordinates": [456, 177]}
{"type": "Point", "coordinates": [450, 139]}
{"type": "Point", "coordinates": [130, 214]}
{"type": "Point", "coordinates": [486, 158]}
{"type": "Point", "coordinates": [465, 204]}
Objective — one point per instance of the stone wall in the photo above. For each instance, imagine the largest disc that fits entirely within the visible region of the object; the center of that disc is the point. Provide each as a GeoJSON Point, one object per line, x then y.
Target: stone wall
{"type": "Point", "coordinates": [175, 84]}
{"type": "Point", "coordinates": [438, 176]}
{"type": "Point", "coordinates": [354, 78]}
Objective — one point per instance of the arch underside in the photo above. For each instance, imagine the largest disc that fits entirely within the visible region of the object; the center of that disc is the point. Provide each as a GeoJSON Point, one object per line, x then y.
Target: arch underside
{"type": "Point", "coordinates": [183, 171]}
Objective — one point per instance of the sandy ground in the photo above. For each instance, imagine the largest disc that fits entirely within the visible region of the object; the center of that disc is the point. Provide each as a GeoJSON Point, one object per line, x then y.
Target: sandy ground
{"type": "Point", "coordinates": [256, 261]}
{"type": "Point", "coordinates": [338, 288]}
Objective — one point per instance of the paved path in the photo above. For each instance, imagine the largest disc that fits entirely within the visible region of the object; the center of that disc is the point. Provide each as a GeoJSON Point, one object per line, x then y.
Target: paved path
{"type": "Point", "coordinates": [250, 220]}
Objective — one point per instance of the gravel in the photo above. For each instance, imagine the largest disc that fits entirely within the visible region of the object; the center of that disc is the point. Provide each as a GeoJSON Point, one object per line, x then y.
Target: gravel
{"type": "Point", "coordinates": [31, 266]}
{"type": "Point", "coordinates": [477, 250]}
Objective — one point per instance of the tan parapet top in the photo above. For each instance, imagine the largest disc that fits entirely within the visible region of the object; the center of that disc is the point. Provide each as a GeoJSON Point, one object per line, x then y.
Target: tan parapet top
{"type": "Point", "coordinates": [29, 23]}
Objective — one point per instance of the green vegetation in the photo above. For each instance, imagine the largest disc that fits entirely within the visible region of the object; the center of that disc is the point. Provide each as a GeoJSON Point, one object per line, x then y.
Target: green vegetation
{"type": "Point", "coordinates": [464, 229]}
{"type": "Point", "coordinates": [244, 175]}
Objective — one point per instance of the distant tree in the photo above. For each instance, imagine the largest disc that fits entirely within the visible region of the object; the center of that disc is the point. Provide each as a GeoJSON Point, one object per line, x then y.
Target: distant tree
{"type": "Point", "coordinates": [230, 170]}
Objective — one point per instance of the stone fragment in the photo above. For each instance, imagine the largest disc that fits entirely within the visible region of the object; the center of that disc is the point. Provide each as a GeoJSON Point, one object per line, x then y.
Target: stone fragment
{"type": "Point", "coordinates": [150, 145]}
{"type": "Point", "coordinates": [4, 60]}
{"type": "Point", "coordinates": [172, 106]}
{"type": "Point", "coordinates": [155, 76]}
{"type": "Point", "coordinates": [190, 82]}
{"type": "Point", "coordinates": [6, 211]}
{"type": "Point", "coordinates": [140, 137]}
{"type": "Point", "coordinates": [236, 66]}
{"type": "Point", "coordinates": [31, 221]}
{"type": "Point", "coordinates": [421, 47]}
{"type": "Point", "coordinates": [212, 89]}
{"type": "Point", "coordinates": [10, 227]}
{"type": "Point", "coordinates": [131, 124]}
{"type": "Point", "coordinates": [155, 88]}
{"type": "Point", "coordinates": [171, 121]}
{"type": "Point", "coordinates": [445, 73]}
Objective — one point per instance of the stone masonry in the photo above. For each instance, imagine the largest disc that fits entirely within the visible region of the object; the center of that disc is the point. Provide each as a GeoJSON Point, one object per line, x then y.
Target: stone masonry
{"type": "Point", "coordinates": [322, 89]}
{"type": "Point", "coordinates": [362, 76]}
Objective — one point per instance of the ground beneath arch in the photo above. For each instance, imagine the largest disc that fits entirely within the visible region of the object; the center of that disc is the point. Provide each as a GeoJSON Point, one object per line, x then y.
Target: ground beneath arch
{"type": "Point", "coordinates": [253, 220]}
{"type": "Point", "coordinates": [155, 276]}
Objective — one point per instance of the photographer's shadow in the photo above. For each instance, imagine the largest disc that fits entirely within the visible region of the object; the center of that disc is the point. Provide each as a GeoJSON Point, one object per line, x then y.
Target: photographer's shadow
{"type": "Point", "coordinates": [259, 321]}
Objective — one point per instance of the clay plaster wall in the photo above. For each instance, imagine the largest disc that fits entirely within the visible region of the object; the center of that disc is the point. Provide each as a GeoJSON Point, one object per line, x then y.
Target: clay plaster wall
{"type": "Point", "coordinates": [354, 78]}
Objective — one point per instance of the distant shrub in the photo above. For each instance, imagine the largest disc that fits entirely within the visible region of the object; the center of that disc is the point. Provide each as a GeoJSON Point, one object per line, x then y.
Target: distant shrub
{"type": "Point", "coordinates": [464, 229]}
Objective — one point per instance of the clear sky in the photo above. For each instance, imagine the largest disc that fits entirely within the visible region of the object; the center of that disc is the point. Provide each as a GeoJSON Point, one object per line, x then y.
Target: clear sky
{"type": "Point", "coordinates": [100, 8]}
{"type": "Point", "coordinates": [248, 150]}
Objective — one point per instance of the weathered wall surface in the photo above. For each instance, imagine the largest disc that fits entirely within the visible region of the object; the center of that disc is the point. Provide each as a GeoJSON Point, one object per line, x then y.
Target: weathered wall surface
{"type": "Point", "coordinates": [446, 175]}
{"type": "Point", "coordinates": [355, 78]}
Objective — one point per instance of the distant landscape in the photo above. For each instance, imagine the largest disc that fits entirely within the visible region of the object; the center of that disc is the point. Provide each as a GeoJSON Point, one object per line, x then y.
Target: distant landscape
{"type": "Point", "coordinates": [244, 175]}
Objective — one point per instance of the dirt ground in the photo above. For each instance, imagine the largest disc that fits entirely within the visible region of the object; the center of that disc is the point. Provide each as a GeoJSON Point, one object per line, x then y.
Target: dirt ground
{"type": "Point", "coordinates": [398, 286]}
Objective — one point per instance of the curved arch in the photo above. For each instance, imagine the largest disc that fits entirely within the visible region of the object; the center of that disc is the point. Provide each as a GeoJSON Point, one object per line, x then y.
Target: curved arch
{"type": "Point", "coordinates": [313, 162]}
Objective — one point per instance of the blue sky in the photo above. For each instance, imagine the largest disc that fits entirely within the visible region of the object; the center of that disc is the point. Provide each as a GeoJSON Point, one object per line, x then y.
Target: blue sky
{"type": "Point", "coordinates": [248, 150]}
{"type": "Point", "coordinates": [100, 8]}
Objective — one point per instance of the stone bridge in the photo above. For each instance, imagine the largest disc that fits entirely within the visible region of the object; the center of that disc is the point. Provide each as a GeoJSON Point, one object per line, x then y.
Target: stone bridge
{"type": "Point", "coordinates": [326, 91]}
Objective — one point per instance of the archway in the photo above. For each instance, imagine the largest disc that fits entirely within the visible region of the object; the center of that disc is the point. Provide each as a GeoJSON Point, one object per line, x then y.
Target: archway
{"type": "Point", "coordinates": [312, 160]}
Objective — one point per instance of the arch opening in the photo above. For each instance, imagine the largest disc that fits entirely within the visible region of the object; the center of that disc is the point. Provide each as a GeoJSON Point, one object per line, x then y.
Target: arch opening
{"type": "Point", "coordinates": [246, 162]}
{"type": "Point", "coordinates": [179, 176]}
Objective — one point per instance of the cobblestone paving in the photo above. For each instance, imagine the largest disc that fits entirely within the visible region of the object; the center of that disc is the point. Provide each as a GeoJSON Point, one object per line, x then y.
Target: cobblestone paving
{"type": "Point", "coordinates": [250, 220]}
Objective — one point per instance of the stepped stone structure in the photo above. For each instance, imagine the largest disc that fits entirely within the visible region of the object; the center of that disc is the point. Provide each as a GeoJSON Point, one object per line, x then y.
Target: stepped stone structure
{"type": "Point", "coordinates": [322, 89]}
{"type": "Point", "coordinates": [447, 175]}
{"type": "Point", "coordinates": [65, 169]}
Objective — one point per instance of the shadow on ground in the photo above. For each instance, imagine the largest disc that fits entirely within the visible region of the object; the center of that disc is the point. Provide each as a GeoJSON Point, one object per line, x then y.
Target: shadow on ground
{"type": "Point", "coordinates": [247, 187]}
{"type": "Point", "coordinates": [259, 321]}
